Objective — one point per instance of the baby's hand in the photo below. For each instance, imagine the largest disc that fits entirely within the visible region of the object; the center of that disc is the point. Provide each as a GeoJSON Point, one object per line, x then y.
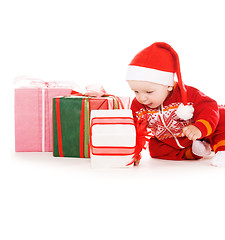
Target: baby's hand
{"type": "Point", "coordinates": [192, 132]}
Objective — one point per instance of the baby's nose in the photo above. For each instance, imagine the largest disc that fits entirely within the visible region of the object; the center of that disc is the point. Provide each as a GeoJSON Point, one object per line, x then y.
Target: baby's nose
{"type": "Point", "coordinates": [143, 97]}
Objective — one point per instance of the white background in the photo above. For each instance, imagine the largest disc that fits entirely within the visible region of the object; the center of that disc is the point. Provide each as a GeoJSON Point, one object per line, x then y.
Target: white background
{"type": "Point", "coordinates": [87, 41]}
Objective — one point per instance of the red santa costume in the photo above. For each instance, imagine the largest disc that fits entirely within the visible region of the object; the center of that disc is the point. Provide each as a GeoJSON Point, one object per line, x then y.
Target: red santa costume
{"type": "Point", "coordinates": [184, 106]}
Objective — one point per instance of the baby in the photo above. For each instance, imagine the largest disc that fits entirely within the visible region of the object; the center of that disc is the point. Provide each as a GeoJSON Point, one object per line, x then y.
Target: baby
{"type": "Point", "coordinates": [182, 122]}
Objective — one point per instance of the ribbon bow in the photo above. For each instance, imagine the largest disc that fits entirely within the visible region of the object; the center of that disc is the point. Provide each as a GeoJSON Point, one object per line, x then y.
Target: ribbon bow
{"type": "Point", "coordinates": [26, 81]}
{"type": "Point", "coordinates": [96, 90]}
{"type": "Point", "coordinates": [142, 136]}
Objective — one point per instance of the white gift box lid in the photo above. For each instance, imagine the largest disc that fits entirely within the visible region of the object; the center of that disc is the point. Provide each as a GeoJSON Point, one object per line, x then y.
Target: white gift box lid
{"type": "Point", "coordinates": [112, 113]}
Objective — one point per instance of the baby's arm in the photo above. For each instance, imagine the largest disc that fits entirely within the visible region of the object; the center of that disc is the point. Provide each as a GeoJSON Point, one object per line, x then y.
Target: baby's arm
{"type": "Point", "coordinates": [206, 115]}
{"type": "Point", "coordinates": [192, 132]}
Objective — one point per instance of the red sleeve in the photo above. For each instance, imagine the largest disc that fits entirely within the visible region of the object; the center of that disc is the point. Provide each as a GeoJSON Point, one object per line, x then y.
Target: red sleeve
{"type": "Point", "coordinates": [135, 107]}
{"type": "Point", "coordinates": [206, 112]}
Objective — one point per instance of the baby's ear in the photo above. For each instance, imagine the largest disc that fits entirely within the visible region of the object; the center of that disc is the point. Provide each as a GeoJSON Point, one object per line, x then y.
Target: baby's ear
{"type": "Point", "coordinates": [170, 88]}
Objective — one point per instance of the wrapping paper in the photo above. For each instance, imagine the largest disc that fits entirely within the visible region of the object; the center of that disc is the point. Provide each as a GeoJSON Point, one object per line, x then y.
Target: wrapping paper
{"type": "Point", "coordinates": [33, 114]}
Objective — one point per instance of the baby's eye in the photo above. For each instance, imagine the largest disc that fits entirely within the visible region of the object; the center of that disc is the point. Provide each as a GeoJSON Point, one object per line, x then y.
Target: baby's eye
{"type": "Point", "coordinates": [136, 91]}
{"type": "Point", "coordinates": [149, 92]}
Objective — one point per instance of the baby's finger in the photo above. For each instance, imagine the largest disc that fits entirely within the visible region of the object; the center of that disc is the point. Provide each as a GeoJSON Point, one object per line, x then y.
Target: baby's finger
{"type": "Point", "coordinates": [189, 134]}
{"type": "Point", "coordinates": [192, 137]}
{"type": "Point", "coordinates": [186, 131]}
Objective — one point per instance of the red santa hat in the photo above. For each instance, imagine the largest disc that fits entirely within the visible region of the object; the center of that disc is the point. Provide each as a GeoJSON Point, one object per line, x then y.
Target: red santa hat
{"type": "Point", "coordinates": [158, 63]}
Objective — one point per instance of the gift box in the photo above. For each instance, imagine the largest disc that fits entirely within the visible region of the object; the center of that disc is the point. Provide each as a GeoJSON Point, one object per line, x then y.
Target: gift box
{"type": "Point", "coordinates": [113, 138]}
{"type": "Point", "coordinates": [33, 113]}
{"type": "Point", "coordinates": [71, 122]}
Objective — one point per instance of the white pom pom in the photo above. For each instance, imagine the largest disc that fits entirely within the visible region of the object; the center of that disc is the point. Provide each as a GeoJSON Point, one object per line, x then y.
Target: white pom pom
{"type": "Point", "coordinates": [185, 112]}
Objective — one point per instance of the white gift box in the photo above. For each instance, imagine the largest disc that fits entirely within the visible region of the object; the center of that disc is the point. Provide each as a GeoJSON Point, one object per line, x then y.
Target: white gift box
{"type": "Point", "coordinates": [113, 138]}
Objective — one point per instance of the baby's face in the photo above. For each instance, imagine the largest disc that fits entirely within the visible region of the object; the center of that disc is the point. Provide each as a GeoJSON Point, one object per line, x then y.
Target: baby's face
{"type": "Point", "coordinates": [148, 93]}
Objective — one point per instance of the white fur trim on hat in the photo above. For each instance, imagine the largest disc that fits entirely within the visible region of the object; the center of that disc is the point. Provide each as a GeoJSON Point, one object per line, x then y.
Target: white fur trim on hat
{"type": "Point", "coordinates": [150, 75]}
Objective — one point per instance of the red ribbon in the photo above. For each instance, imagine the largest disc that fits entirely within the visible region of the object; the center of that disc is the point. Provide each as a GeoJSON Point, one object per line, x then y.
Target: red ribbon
{"type": "Point", "coordinates": [76, 93]}
{"type": "Point", "coordinates": [57, 102]}
{"type": "Point", "coordinates": [82, 129]}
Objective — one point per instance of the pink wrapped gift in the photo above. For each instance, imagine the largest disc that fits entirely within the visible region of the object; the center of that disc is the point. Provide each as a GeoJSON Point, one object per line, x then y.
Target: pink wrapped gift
{"type": "Point", "coordinates": [33, 113]}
